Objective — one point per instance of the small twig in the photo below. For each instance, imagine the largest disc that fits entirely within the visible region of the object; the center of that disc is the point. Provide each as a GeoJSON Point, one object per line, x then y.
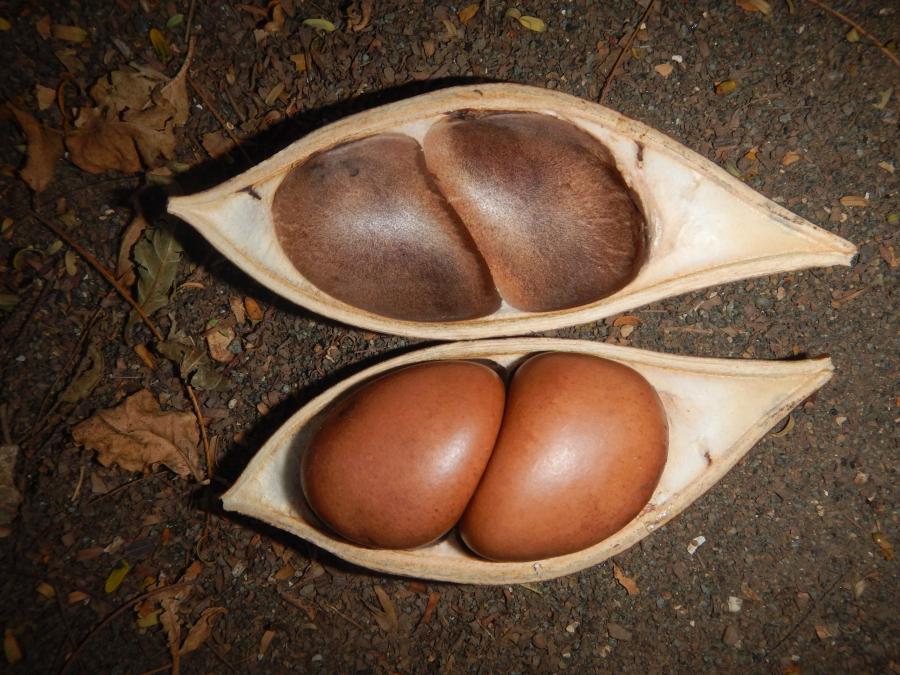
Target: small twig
{"type": "Point", "coordinates": [202, 424]}
{"type": "Point", "coordinates": [190, 20]}
{"type": "Point", "coordinates": [78, 485]}
{"type": "Point", "coordinates": [612, 73]}
{"type": "Point", "coordinates": [859, 29]}
{"type": "Point", "coordinates": [105, 273]}
{"type": "Point", "coordinates": [112, 615]}
{"type": "Point", "coordinates": [4, 424]}
{"type": "Point", "coordinates": [221, 120]}
{"type": "Point", "coordinates": [124, 486]}
{"type": "Point", "coordinates": [334, 609]}
{"type": "Point", "coordinates": [812, 605]}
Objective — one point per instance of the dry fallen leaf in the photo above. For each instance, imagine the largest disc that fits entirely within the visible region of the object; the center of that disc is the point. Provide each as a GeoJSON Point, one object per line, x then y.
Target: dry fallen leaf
{"type": "Point", "coordinates": [201, 630]}
{"type": "Point", "coordinates": [755, 6]}
{"type": "Point", "coordinates": [887, 549]}
{"type": "Point", "coordinates": [628, 583]}
{"type": "Point", "coordinates": [45, 96]}
{"type": "Point", "coordinates": [533, 23]}
{"type": "Point", "coordinates": [137, 435]}
{"type": "Point", "coordinates": [102, 143]}
{"type": "Point", "coordinates": [264, 644]}
{"type": "Point", "coordinates": [44, 148]}
{"type": "Point", "coordinates": [359, 14]}
{"type": "Point", "coordinates": [144, 355]}
{"type": "Point", "coordinates": [852, 35]}
{"type": "Point", "coordinates": [433, 598]}
{"type": "Point", "coordinates": [10, 497]}
{"type": "Point", "coordinates": [790, 157]}
{"type": "Point", "coordinates": [89, 374]}
{"type": "Point", "coordinates": [218, 340]}
{"type": "Point", "coordinates": [386, 618]}
{"type": "Point", "coordinates": [237, 308]}
{"type": "Point", "coordinates": [42, 26]}
{"type": "Point", "coordinates": [11, 647]}
{"type": "Point", "coordinates": [726, 87]}
{"type": "Point", "coordinates": [254, 311]}
{"type": "Point", "coordinates": [5, 24]}
{"type": "Point", "coordinates": [137, 112]}
{"type": "Point", "coordinates": [299, 61]}
{"type": "Point", "coordinates": [124, 266]}
{"type": "Point", "coordinates": [466, 13]}
{"type": "Point", "coordinates": [825, 631]}
{"type": "Point", "coordinates": [884, 97]}
{"type": "Point", "coordinates": [68, 33]}
{"type": "Point", "coordinates": [854, 200]}
{"type": "Point", "coordinates": [664, 69]}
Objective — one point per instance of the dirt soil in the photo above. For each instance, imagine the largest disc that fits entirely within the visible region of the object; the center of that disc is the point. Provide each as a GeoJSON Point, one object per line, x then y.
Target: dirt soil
{"type": "Point", "coordinates": [797, 572]}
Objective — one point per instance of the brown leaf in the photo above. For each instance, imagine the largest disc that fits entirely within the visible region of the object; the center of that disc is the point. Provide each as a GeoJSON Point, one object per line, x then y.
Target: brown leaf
{"type": "Point", "coordinates": [42, 26]}
{"type": "Point", "coordinates": [749, 593]}
{"type": "Point", "coordinates": [127, 89]}
{"type": "Point", "coordinates": [102, 143]}
{"type": "Point", "coordinates": [386, 618]}
{"type": "Point", "coordinates": [44, 148]}
{"type": "Point", "coordinates": [137, 435]}
{"type": "Point", "coordinates": [726, 87]}
{"type": "Point", "coordinates": [124, 265]}
{"type": "Point", "coordinates": [854, 200]}
{"type": "Point", "coordinates": [10, 497]}
{"type": "Point", "coordinates": [254, 311]}
{"type": "Point", "coordinates": [201, 630]}
{"type": "Point", "coordinates": [466, 13]}
{"type": "Point", "coordinates": [618, 632]}
{"type": "Point", "coordinates": [172, 625]}
{"type": "Point", "coordinates": [68, 33]}
{"type": "Point", "coordinates": [218, 339]}
{"type": "Point", "coordinates": [45, 96]}
{"type": "Point", "coordinates": [887, 549]}
{"type": "Point", "coordinates": [790, 157]}
{"type": "Point", "coordinates": [664, 69]}
{"type": "Point", "coordinates": [237, 308]}
{"type": "Point", "coordinates": [217, 143]}
{"type": "Point", "coordinates": [433, 598]}
{"type": "Point", "coordinates": [359, 15]}
{"type": "Point", "coordinates": [755, 6]}
{"type": "Point", "coordinates": [264, 643]}
{"type": "Point", "coordinates": [625, 581]}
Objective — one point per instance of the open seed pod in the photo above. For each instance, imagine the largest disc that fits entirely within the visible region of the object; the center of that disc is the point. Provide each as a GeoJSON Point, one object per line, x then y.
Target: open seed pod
{"type": "Point", "coordinates": [491, 210]}
{"type": "Point", "coordinates": [716, 409]}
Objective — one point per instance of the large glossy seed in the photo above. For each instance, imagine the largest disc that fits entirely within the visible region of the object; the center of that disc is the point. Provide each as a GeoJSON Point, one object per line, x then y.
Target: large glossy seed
{"type": "Point", "coordinates": [581, 449]}
{"type": "Point", "coordinates": [365, 224]}
{"type": "Point", "coordinates": [395, 463]}
{"type": "Point", "coordinates": [544, 202]}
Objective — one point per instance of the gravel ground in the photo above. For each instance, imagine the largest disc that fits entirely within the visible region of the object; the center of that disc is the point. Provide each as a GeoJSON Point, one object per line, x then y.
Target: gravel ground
{"type": "Point", "coordinates": [797, 573]}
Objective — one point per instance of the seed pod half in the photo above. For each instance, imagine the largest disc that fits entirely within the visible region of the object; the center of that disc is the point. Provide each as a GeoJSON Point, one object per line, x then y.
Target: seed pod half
{"type": "Point", "coordinates": [700, 225]}
{"type": "Point", "coordinates": [716, 410]}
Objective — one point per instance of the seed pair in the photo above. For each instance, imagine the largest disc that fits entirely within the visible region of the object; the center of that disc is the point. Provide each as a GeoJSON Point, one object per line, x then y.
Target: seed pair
{"type": "Point", "coordinates": [515, 207]}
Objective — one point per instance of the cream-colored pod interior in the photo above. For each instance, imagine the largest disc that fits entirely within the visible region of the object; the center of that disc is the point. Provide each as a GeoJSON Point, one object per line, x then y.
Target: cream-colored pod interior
{"type": "Point", "coordinates": [717, 409]}
{"type": "Point", "coordinates": [705, 226]}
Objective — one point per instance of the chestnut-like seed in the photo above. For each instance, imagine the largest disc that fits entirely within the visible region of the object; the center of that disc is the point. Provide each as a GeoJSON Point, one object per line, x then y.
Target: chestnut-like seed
{"type": "Point", "coordinates": [395, 463]}
{"type": "Point", "coordinates": [543, 201]}
{"type": "Point", "coordinates": [364, 223]}
{"type": "Point", "coordinates": [582, 447]}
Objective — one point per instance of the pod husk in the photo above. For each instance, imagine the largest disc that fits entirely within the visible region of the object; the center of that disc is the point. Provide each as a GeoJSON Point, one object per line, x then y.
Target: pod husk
{"type": "Point", "coordinates": [706, 227]}
{"type": "Point", "coordinates": [717, 410]}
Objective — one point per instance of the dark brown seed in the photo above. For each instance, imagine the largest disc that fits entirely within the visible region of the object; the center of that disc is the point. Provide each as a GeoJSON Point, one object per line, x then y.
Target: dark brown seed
{"type": "Point", "coordinates": [581, 449]}
{"type": "Point", "coordinates": [395, 463]}
{"type": "Point", "coordinates": [545, 204]}
{"type": "Point", "coordinates": [364, 223]}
